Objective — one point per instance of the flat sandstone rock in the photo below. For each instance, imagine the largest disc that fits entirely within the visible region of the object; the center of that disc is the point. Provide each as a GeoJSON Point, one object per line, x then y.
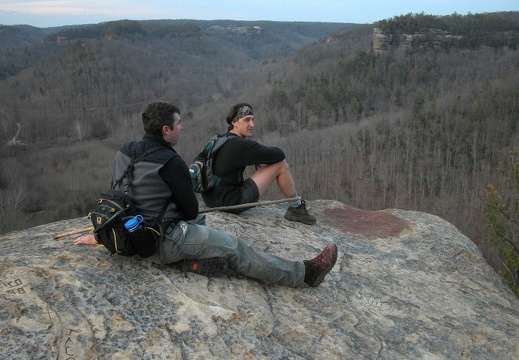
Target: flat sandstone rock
{"type": "Point", "coordinates": [407, 285]}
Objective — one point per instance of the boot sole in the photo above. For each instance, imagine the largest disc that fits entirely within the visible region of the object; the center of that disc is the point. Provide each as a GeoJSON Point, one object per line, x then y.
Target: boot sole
{"type": "Point", "coordinates": [307, 222]}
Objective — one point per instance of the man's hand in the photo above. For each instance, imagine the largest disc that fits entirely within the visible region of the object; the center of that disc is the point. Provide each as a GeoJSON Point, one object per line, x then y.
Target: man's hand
{"type": "Point", "coordinates": [86, 240]}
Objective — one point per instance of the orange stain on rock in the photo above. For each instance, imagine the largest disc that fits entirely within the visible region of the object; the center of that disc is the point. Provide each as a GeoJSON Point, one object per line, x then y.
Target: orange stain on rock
{"type": "Point", "coordinates": [367, 223]}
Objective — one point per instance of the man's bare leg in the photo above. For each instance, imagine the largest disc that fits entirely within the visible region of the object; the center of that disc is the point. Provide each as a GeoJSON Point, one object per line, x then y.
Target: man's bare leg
{"type": "Point", "coordinates": [280, 171]}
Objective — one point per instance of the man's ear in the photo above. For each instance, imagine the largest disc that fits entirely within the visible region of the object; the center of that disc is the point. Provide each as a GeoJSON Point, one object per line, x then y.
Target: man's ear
{"type": "Point", "coordinates": [165, 129]}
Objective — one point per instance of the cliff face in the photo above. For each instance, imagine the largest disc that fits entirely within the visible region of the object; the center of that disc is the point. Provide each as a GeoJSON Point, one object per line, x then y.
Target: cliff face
{"type": "Point", "coordinates": [383, 41]}
{"type": "Point", "coordinates": [406, 285]}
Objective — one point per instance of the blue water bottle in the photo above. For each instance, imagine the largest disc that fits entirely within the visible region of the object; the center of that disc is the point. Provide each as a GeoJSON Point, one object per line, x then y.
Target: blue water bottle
{"type": "Point", "coordinates": [134, 224]}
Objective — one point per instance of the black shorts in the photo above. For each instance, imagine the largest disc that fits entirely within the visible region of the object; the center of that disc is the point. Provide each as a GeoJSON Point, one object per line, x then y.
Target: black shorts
{"type": "Point", "coordinates": [222, 196]}
{"type": "Point", "coordinates": [249, 194]}
{"type": "Point", "coordinates": [249, 191]}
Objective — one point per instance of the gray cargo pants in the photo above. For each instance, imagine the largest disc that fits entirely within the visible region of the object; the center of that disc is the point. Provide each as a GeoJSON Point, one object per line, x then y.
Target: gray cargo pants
{"type": "Point", "coordinates": [192, 240]}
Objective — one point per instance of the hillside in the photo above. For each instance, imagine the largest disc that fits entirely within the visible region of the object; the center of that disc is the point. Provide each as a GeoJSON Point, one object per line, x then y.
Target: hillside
{"type": "Point", "coordinates": [19, 48]}
{"type": "Point", "coordinates": [418, 127]}
{"type": "Point", "coordinates": [98, 73]}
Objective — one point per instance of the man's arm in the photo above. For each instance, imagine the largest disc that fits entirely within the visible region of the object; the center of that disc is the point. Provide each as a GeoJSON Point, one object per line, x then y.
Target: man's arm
{"type": "Point", "coordinates": [176, 174]}
{"type": "Point", "coordinates": [253, 153]}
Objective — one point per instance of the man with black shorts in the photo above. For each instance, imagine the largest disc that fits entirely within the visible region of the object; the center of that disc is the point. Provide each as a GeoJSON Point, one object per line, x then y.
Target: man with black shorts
{"type": "Point", "coordinates": [238, 153]}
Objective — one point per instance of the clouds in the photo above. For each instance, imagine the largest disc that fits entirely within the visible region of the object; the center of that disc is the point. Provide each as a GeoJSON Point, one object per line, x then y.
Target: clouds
{"type": "Point", "coordinates": [75, 7]}
{"type": "Point", "coordinates": [47, 13]}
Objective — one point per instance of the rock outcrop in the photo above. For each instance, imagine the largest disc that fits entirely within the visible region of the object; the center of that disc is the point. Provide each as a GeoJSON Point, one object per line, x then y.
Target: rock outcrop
{"type": "Point", "coordinates": [407, 285]}
{"type": "Point", "coordinates": [432, 38]}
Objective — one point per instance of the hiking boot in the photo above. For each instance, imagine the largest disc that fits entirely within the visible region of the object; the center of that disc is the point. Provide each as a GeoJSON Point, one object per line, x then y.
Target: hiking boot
{"type": "Point", "coordinates": [207, 267]}
{"type": "Point", "coordinates": [300, 214]}
{"type": "Point", "coordinates": [317, 268]}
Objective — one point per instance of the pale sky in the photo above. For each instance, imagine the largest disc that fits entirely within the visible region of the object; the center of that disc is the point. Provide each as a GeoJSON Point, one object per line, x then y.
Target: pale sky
{"type": "Point", "coordinates": [49, 13]}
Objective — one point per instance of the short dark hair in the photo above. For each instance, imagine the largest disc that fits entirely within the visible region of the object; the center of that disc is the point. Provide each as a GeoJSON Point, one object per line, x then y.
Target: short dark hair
{"type": "Point", "coordinates": [233, 112]}
{"type": "Point", "coordinates": [156, 115]}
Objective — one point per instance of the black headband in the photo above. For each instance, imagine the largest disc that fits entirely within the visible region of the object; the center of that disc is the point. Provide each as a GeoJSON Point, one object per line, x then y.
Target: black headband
{"type": "Point", "coordinates": [243, 111]}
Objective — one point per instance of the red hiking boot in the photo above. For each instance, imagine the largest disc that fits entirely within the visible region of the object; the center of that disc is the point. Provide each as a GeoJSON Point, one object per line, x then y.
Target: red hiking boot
{"type": "Point", "coordinates": [317, 268]}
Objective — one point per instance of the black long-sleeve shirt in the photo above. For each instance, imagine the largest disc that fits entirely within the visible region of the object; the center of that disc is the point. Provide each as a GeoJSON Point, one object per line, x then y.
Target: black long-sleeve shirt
{"type": "Point", "coordinates": [230, 163]}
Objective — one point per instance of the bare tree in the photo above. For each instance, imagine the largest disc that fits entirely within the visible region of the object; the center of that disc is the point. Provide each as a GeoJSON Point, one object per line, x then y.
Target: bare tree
{"type": "Point", "coordinates": [14, 141]}
{"type": "Point", "coordinates": [80, 131]}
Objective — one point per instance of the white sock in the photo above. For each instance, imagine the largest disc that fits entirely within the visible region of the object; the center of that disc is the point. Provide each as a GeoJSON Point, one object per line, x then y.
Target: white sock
{"type": "Point", "coordinates": [295, 203]}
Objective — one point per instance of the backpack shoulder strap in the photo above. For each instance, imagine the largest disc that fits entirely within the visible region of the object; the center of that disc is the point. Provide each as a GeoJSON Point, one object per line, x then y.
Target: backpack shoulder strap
{"type": "Point", "coordinates": [219, 141]}
{"type": "Point", "coordinates": [134, 159]}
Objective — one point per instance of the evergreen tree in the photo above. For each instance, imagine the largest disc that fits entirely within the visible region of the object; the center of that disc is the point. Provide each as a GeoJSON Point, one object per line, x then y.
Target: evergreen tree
{"type": "Point", "coordinates": [502, 221]}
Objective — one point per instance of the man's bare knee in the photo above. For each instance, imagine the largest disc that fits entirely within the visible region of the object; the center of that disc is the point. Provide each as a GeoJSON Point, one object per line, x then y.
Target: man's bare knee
{"type": "Point", "coordinates": [275, 168]}
{"type": "Point", "coordinates": [280, 166]}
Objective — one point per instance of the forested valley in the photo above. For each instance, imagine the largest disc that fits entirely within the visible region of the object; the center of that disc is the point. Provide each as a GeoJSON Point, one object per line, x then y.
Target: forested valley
{"type": "Point", "coordinates": [424, 122]}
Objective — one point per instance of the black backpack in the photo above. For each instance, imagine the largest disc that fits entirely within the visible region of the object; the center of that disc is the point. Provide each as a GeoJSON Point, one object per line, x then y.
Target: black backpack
{"type": "Point", "coordinates": [201, 171]}
{"type": "Point", "coordinates": [113, 210]}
